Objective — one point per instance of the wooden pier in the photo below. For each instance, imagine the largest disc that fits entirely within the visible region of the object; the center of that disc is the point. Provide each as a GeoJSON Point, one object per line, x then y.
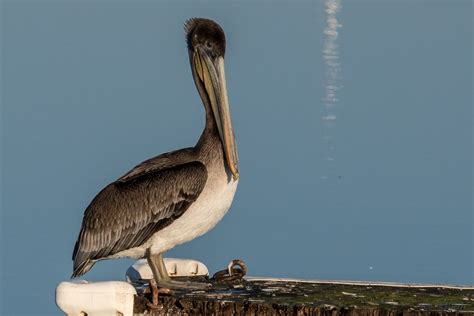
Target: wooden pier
{"type": "Point", "coordinates": [253, 296]}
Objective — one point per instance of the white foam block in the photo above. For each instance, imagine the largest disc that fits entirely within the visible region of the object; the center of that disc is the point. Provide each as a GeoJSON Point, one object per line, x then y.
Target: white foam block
{"type": "Point", "coordinates": [140, 270]}
{"type": "Point", "coordinates": [95, 299]}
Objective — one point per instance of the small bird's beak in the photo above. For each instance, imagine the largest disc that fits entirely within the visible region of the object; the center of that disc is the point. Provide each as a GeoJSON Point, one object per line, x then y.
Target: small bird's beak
{"type": "Point", "coordinates": [210, 71]}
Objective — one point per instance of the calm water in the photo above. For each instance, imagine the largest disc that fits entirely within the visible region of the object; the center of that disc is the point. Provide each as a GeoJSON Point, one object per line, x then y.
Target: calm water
{"type": "Point", "coordinates": [353, 121]}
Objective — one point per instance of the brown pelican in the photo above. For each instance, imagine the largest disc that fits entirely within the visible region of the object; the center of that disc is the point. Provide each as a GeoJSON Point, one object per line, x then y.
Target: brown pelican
{"type": "Point", "coordinates": [177, 196]}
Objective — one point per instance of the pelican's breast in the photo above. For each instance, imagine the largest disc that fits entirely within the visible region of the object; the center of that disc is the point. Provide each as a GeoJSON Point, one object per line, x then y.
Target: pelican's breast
{"type": "Point", "coordinates": [208, 209]}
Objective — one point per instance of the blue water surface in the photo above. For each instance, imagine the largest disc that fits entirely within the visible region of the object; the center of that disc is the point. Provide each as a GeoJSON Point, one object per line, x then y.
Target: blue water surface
{"type": "Point", "coordinates": [353, 122]}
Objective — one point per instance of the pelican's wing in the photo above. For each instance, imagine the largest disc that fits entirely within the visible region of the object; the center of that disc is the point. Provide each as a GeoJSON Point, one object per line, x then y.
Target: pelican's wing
{"type": "Point", "coordinates": [161, 162]}
{"type": "Point", "coordinates": [127, 212]}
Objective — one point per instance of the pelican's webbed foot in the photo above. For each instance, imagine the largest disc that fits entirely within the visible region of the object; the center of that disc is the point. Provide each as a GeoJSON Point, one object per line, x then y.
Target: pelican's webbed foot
{"type": "Point", "coordinates": [155, 291]}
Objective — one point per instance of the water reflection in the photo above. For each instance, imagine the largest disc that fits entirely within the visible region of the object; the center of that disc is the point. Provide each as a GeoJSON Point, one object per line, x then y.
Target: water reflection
{"type": "Point", "coordinates": [331, 55]}
{"type": "Point", "coordinates": [333, 76]}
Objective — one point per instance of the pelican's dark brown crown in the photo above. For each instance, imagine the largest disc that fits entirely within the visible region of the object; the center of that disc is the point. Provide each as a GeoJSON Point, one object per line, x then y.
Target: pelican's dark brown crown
{"type": "Point", "coordinates": [206, 33]}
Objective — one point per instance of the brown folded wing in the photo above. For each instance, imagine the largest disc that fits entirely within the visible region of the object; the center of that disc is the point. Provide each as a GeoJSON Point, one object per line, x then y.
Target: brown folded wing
{"type": "Point", "coordinates": [126, 213]}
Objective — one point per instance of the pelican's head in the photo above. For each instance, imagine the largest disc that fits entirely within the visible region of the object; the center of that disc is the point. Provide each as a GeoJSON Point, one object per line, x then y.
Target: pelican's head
{"type": "Point", "coordinates": [206, 45]}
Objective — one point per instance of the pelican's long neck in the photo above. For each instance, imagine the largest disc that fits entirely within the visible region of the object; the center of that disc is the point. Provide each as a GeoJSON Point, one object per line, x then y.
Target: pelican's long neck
{"type": "Point", "coordinates": [210, 142]}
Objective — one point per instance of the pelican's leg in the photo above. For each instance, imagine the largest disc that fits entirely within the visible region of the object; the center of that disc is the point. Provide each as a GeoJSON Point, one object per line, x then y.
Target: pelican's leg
{"type": "Point", "coordinates": [164, 281]}
{"type": "Point", "coordinates": [158, 275]}
{"type": "Point", "coordinates": [158, 268]}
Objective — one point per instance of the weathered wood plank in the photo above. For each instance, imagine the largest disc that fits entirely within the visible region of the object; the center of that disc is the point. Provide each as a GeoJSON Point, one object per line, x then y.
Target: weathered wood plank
{"type": "Point", "coordinates": [292, 297]}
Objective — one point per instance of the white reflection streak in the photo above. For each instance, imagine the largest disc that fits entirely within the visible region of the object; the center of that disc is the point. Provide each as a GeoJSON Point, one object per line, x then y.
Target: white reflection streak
{"type": "Point", "coordinates": [331, 57]}
{"type": "Point", "coordinates": [332, 72]}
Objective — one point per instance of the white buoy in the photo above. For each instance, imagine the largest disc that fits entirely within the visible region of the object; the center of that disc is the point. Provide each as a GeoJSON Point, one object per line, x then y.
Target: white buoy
{"type": "Point", "coordinates": [140, 270]}
{"type": "Point", "coordinates": [113, 298]}
{"type": "Point", "coordinates": [110, 298]}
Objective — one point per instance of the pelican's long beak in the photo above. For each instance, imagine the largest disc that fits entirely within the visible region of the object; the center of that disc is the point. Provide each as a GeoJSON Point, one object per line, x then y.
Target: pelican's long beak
{"type": "Point", "coordinates": [210, 71]}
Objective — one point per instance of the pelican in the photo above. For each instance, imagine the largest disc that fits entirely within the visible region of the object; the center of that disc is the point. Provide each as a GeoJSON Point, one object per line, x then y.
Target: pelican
{"type": "Point", "coordinates": [177, 196]}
